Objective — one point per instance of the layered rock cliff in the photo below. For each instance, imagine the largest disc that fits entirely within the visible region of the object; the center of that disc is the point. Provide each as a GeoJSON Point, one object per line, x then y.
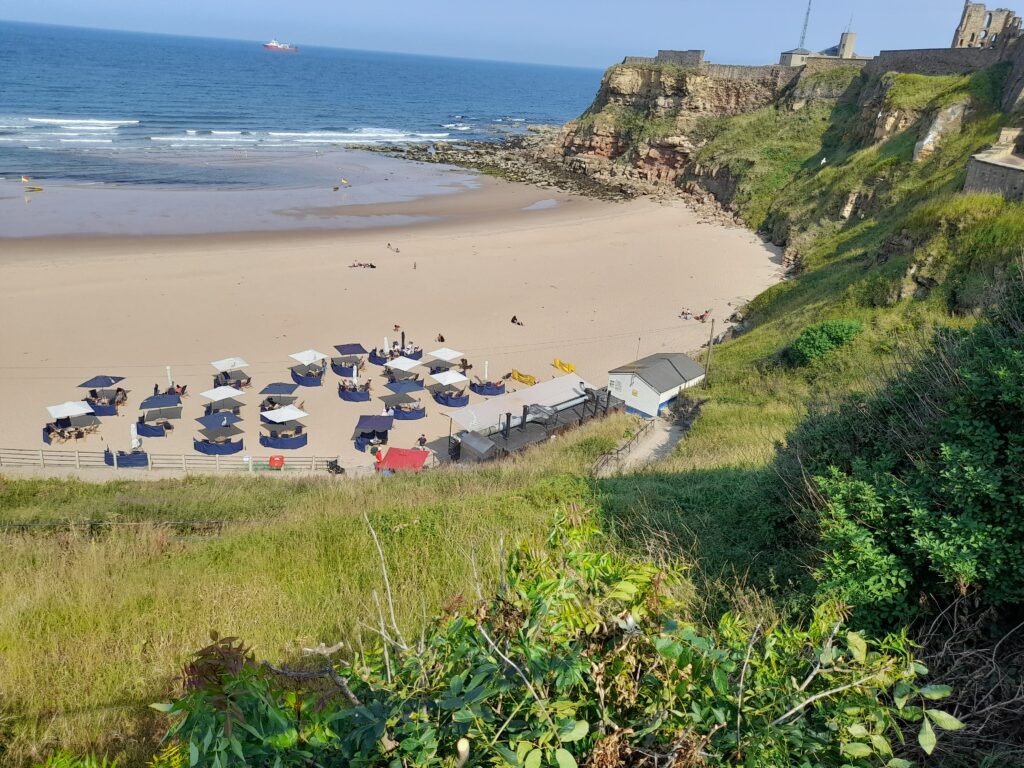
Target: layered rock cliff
{"type": "Point", "coordinates": [647, 119]}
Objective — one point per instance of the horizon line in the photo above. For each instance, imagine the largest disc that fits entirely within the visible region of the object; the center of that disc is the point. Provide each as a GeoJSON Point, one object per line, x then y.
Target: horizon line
{"type": "Point", "coordinates": [310, 45]}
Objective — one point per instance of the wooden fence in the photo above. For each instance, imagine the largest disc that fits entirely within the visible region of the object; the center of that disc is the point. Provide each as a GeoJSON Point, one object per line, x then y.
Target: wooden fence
{"type": "Point", "coordinates": [60, 459]}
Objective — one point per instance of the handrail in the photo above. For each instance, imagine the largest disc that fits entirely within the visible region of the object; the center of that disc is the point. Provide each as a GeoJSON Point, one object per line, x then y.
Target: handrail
{"type": "Point", "coordinates": [617, 454]}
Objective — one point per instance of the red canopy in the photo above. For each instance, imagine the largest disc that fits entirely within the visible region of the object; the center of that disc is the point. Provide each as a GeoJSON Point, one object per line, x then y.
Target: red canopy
{"type": "Point", "coordinates": [400, 459]}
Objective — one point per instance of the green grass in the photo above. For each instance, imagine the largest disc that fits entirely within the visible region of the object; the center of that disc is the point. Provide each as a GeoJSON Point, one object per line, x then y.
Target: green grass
{"type": "Point", "coordinates": [93, 628]}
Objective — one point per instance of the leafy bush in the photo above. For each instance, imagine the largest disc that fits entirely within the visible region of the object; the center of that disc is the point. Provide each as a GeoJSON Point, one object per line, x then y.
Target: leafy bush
{"type": "Point", "coordinates": [579, 655]}
{"type": "Point", "coordinates": [819, 340]}
{"type": "Point", "coordinates": [923, 498]}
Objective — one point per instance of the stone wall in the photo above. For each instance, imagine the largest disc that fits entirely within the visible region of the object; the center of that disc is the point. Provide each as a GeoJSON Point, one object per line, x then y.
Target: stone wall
{"type": "Point", "coordinates": [996, 178]}
{"type": "Point", "coordinates": [679, 58]}
{"type": "Point", "coordinates": [934, 61]}
{"type": "Point", "coordinates": [682, 58]}
{"type": "Point", "coordinates": [822, 64]}
{"type": "Point", "coordinates": [778, 75]}
{"type": "Point", "coordinates": [1013, 96]}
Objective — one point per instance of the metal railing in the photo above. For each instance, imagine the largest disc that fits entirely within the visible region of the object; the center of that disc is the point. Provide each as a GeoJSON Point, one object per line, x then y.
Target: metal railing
{"type": "Point", "coordinates": [66, 459]}
{"type": "Point", "coordinates": [622, 451]}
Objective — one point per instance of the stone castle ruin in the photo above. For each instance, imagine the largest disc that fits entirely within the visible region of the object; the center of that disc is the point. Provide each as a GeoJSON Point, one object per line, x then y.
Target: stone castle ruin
{"type": "Point", "coordinates": [984, 28]}
{"type": "Point", "coordinates": [984, 37]}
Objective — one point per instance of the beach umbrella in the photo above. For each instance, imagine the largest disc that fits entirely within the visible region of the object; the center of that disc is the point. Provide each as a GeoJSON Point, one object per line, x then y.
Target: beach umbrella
{"type": "Point", "coordinates": [101, 382]}
{"type": "Point", "coordinates": [448, 378]}
{"type": "Point", "coordinates": [393, 401]}
{"type": "Point", "coordinates": [219, 433]}
{"type": "Point", "coordinates": [281, 415]}
{"type": "Point", "coordinates": [350, 349]}
{"type": "Point", "coordinates": [446, 354]}
{"type": "Point", "coordinates": [69, 409]}
{"type": "Point", "coordinates": [404, 459]}
{"type": "Point", "coordinates": [219, 419]}
{"type": "Point", "coordinates": [402, 364]}
{"type": "Point", "coordinates": [279, 388]}
{"type": "Point", "coordinates": [229, 364]}
{"type": "Point", "coordinates": [309, 357]}
{"type": "Point", "coordinates": [161, 407]}
{"type": "Point", "coordinates": [217, 394]}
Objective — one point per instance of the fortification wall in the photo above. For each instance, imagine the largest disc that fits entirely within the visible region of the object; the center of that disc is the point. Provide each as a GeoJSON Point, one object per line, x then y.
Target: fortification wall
{"type": "Point", "coordinates": [934, 61]}
{"type": "Point", "coordinates": [992, 177]}
{"type": "Point", "coordinates": [821, 64]}
{"type": "Point", "coordinates": [779, 75]}
{"type": "Point", "coordinates": [682, 58]}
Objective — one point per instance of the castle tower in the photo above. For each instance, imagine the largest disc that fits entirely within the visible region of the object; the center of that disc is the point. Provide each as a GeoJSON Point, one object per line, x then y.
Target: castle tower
{"type": "Point", "coordinates": [847, 43]}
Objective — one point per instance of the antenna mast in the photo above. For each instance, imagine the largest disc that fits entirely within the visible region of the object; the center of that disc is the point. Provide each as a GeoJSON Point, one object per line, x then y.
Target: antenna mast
{"type": "Point", "coordinates": [807, 19]}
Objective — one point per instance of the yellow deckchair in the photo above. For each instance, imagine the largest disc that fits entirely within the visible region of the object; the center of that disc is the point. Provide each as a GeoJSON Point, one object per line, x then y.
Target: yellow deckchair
{"type": "Point", "coordinates": [563, 366]}
{"type": "Point", "coordinates": [524, 378]}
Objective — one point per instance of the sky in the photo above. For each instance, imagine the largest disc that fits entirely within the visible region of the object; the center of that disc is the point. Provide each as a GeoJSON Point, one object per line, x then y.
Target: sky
{"type": "Point", "coordinates": [585, 33]}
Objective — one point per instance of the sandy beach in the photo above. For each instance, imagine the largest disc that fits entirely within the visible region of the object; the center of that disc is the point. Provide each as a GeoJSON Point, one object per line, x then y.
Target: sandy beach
{"type": "Point", "coordinates": [594, 283]}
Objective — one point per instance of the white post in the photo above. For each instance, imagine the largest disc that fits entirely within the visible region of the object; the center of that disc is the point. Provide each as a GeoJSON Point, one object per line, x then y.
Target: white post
{"type": "Point", "coordinates": [487, 366]}
{"type": "Point", "coordinates": [184, 464]}
{"type": "Point", "coordinates": [250, 464]}
{"type": "Point", "coordinates": [217, 461]}
{"type": "Point", "coordinates": [355, 374]}
{"type": "Point", "coordinates": [114, 454]}
{"type": "Point", "coordinates": [42, 458]}
{"type": "Point", "coordinates": [149, 460]}
{"type": "Point", "coordinates": [78, 460]}
{"type": "Point", "coordinates": [386, 346]}
{"type": "Point", "coordinates": [169, 381]}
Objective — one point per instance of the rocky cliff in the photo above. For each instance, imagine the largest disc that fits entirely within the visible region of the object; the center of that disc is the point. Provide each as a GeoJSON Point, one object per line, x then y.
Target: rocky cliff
{"type": "Point", "coordinates": [647, 119]}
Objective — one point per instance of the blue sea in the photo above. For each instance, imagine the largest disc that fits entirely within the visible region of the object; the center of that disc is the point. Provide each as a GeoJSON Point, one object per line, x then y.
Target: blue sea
{"type": "Point", "coordinates": [91, 106]}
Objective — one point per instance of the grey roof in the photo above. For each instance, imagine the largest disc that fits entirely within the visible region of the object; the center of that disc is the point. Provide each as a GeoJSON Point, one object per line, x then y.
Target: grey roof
{"type": "Point", "coordinates": [801, 51]}
{"type": "Point", "coordinates": [664, 371]}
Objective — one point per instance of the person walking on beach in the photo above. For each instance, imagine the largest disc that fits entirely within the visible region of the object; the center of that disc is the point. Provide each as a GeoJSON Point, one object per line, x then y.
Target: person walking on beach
{"type": "Point", "coordinates": [517, 321]}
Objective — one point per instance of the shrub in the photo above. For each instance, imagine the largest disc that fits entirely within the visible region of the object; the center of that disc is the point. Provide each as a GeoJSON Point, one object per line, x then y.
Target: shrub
{"type": "Point", "coordinates": [581, 654]}
{"type": "Point", "coordinates": [819, 340]}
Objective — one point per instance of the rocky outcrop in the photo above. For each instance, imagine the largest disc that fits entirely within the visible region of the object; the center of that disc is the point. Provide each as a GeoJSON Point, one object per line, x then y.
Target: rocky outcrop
{"type": "Point", "coordinates": [946, 122]}
{"type": "Point", "coordinates": [644, 124]}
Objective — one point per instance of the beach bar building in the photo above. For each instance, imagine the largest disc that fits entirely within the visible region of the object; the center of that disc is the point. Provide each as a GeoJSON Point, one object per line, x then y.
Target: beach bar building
{"type": "Point", "coordinates": [649, 385]}
{"type": "Point", "coordinates": [513, 422]}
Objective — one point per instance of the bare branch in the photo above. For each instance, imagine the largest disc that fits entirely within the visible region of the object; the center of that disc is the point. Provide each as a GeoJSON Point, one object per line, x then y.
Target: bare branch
{"type": "Point", "coordinates": [387, 581]}
{"type": "Point", "coordinates": [743, 674]}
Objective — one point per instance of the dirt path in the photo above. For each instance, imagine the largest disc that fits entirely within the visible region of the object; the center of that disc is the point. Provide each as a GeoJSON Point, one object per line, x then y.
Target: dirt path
{"type": "Point", "coordinates": [656, 445]}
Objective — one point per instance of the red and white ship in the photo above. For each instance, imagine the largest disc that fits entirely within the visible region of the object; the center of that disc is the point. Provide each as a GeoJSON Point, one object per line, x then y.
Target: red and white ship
{"type": "Point", "coordinates": [277, 45]}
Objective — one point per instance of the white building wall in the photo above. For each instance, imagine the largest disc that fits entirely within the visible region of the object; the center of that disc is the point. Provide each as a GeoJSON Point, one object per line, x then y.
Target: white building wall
{"type": "Point", "coordinates": [635, 392]}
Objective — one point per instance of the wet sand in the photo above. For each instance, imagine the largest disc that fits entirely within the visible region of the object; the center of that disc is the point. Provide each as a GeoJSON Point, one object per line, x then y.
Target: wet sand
{"type": "Point", "coordinates": [594, 282]}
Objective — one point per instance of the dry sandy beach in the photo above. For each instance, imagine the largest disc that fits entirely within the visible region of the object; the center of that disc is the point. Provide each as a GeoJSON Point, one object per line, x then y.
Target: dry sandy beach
{"type": "Point", "coordinates": [592, 281]}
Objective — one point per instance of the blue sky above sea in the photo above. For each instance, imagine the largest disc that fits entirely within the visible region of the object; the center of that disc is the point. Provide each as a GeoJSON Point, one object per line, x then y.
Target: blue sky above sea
{"type": "Point", "coordinates": [595, 33]}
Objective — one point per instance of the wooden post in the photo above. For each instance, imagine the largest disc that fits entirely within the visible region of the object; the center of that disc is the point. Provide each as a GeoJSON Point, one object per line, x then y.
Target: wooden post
{"type": "Point", "coordinates": [217, 462]}
{"type": "Point", "coordinates": [42, 458]}
{"type": "Point", "coordinates": [250, 464]}
{"type": "Point", "coordinates": [711, 346]}
{"type": "Point", "coordinates": [184, 465]}
{"type": "Point", "coordinates": [78, 459]}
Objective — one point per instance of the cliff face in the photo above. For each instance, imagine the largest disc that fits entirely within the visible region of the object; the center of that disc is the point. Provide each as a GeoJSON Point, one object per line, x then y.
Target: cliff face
{"type": "Point", "coordinates": [646, 120]}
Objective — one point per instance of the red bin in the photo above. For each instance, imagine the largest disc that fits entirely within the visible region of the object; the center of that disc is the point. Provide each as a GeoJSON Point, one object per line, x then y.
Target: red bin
{"type": "Point", "coordinates": [276, 462]}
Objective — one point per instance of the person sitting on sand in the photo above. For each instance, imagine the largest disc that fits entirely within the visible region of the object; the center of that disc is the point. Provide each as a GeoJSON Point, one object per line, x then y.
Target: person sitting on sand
{"type": "Point", "coordinates": [517, 321]}
{"type": "Point", "coordinates": [440, 338]}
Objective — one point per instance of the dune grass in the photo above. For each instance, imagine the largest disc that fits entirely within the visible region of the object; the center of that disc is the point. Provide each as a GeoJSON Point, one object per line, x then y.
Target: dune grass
{"type": "Point", "coordinates": [95, 627]}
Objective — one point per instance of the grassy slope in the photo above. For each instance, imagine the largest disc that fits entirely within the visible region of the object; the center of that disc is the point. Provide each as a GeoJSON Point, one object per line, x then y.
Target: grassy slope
{"type": "Point", "coordinates": [93, 629]}
{"type": "Point", "coordinates": [718, 497]}
{"type": "Point", "coordinates": [99, 627]}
